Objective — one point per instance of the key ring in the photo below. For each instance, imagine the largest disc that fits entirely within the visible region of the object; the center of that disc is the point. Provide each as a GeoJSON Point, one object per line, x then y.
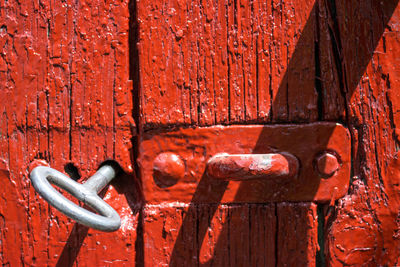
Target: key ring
{"type": "Point", "coordinates": [107, 220]}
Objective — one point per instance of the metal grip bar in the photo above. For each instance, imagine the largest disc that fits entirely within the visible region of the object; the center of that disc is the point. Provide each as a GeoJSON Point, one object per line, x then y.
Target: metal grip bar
{"type": "Point", "coordinates": [240, 167]}
{"type": "Point", "coordinates": [108, 220]}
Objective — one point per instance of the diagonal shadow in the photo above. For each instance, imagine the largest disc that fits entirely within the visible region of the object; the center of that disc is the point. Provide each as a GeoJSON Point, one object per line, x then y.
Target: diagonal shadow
{"type": "Point", "coordinates": [350, 66]}
{"type": "Point", "coordinates": [75, 240]}
{"type": "Point", "coordinates": [125, 184]}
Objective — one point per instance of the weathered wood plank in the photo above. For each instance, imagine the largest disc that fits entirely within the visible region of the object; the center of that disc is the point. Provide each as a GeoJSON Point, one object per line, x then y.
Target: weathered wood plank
{"type": "Point", "coordinates": [227, 62]}
{"type": "Point", "coordinates": [209, 235]}
{"type": "Point", "coordinates": [367, 40]}
{"type": "Point", "coordinates": [297, 234]}
{"type": "Point", "coordinates": [328, 75]}
{"type": "Point", "coordinates": [213, 62]}
{"type": "Point", "coordinates": [64, 97]}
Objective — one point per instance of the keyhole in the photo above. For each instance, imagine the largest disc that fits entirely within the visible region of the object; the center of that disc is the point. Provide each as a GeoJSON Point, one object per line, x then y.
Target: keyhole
{"type": "Point", "coordinates": [72, 171]}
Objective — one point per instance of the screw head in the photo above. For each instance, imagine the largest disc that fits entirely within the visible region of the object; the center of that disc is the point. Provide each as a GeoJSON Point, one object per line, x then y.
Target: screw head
{"type": "Point", "coordinates": [168, 169]}
{"type": "Point", "coordinates": [327, 164]}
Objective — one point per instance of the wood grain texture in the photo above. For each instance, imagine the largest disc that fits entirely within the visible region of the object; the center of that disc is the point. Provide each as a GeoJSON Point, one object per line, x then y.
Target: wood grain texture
{"type": "Point", "coordinates": [369, 72]}
{"type": "Point", "coordinates": [232, 62]}
{"type": "Point", "coordinates": [228, 62]}
{"type": "Point", "coordinates": [282, 234]}
{"type": "Point", "coordinates": [65, 98]}
{"type": "Point", "coordinates": [210, 235]}
{"type": "Point", "coordinates": [297, 234]}
{"type": "Point", "coordinates": [224, 62]}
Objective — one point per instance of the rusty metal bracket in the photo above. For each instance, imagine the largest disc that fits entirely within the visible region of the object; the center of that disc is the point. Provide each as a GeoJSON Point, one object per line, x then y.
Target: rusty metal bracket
{"type": "Point", "coordinates": [252, 163]}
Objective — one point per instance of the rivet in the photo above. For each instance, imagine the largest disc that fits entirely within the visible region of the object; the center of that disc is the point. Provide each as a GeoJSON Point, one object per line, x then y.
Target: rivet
{"type": "Point", "coordinates": [168, 169]}
{"type": "Point", "coordinates": [327, 164]}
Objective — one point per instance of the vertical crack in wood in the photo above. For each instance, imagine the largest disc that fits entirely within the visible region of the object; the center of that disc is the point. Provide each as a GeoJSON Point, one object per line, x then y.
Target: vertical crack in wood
{"type": "Point", "coordinates": [257, 75]}
{"type": "Point", "coordinates": [134, 63]}
{"type": "Point", "coordinates": [271, 93]}
{"type": "Point", "coordinates": [135, 78]}
{"type": "Point", "coordinates": [337, 52]}
{"type": "Point", "coordinates": [70, 61]}
{"type": "Point", "coordinates": [228, 62]}
{"type": "Point", "coordinates": [276, 235]}
{"type": "Point", "coordinates": [318, 84]}
{"type": "Point", "coordinates": [249, 207]}
{"type": "Point", "coordinates": [320, 255]}
{"type": "Point", "coordinates": [287, 82]}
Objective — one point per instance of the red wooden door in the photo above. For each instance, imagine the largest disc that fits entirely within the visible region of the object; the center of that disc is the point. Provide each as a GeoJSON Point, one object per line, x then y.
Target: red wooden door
{"type": "Point", "coordinates": [86, 81]}
{"type": "Point", "coordinates": [65, 98]}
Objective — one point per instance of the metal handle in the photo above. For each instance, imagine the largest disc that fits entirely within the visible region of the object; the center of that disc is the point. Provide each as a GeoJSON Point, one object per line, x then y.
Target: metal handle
{"type": "Point", "coordinates": [108, 220]}
{"type": "Point", "coordinates": [239, 167]}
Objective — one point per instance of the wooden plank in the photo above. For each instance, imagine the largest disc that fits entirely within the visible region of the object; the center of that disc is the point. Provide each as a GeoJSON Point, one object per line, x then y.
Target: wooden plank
{"type": "Point", "coordinates": [170, 235]}
{"type": "Point", "coordinates": [213, 235]}
{"type": "Point", "coordinates": [297, 234]}
{"type": "Point", "coordinates": [263, 225]}
{"type": "Point", "coordinates": [328, 72]}
{"type": "Point", "coordinates": [263, 17]}
{"type": "Point", "coordinates": [294, 93]}
{"type": "Point", "coordinates": [227, 62]}
{"type": "Point", "coordinates": [65, 98]}
{"type": "Point", "coordinates": [205, 63]}
{"type": "Point", "coordinates": [209, 235]}
{"type": "Point", "coordinates": [369, 214]}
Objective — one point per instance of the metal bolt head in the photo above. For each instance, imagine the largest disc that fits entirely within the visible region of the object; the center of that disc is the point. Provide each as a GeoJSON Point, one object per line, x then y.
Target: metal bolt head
{"type": "Point", "coordinates": [168, 169]}
{"type": "Point", "coordinates": [327, 164]}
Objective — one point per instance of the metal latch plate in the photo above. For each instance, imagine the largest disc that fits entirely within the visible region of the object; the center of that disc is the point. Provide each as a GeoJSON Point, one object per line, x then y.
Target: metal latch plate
{"type": "Point", "coordinates": [173, 164]}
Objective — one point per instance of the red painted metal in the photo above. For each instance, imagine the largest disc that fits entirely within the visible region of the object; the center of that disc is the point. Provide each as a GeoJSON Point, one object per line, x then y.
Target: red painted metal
{"type": "Point", "coordinates": [196, 146]}
{"type": "Point", "coordinates": [327, 164]}
{"type": "Point", "coordinates": [168, 169]}
{"type": "Point", "coordinates": [242, 167]}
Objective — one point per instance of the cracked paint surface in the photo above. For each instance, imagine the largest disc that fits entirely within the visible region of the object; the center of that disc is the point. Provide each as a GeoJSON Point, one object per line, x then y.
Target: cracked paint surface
{"type": "Point", "coordinates": [69, 75]}
{"type": "Point", "coordinates": [65, 98]}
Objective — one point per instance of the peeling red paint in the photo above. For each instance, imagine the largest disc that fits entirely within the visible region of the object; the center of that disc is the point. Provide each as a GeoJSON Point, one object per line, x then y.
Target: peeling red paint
{"type": "Point", "coordinates": [242, 167]}
{"type": "Point", "coordinates": [66, 96]}
{"type": "Point", "coordinates": [197, 146]}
